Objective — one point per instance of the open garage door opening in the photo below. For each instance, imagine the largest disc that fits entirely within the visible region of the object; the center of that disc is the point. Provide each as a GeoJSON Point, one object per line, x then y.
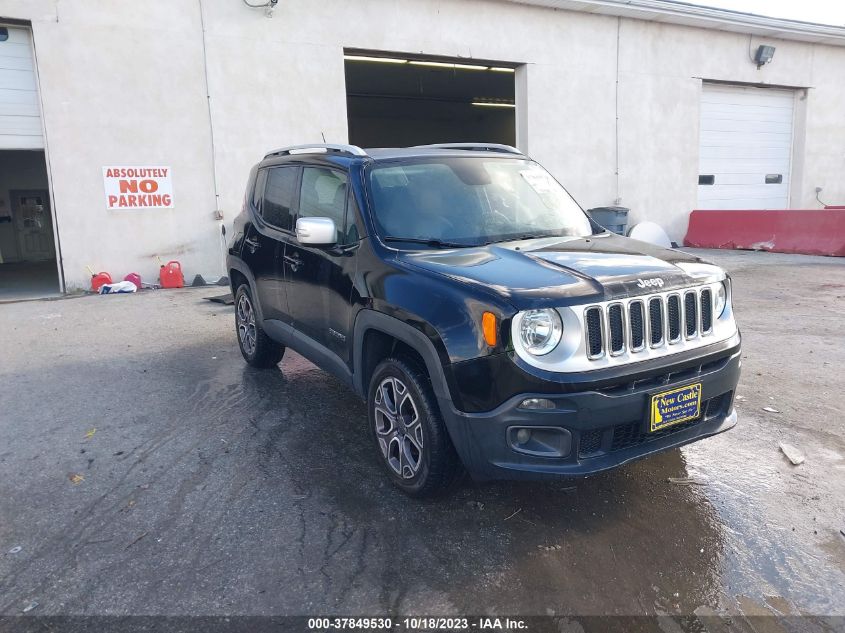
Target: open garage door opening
{"type": "Point", "coordinates": [28, 262]}
{"type": "Point", "coordinates": [28, 267]}
{"type": "Point", "coordinates": [398, 101]}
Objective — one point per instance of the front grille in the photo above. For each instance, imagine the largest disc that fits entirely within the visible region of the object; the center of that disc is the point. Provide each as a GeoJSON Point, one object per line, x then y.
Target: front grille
{"type": "Point", "coordinates": [594, 332]}
{"type": "Point", "coordinates": [590, 442]}
{"type": "Point", "coordinates": [637, 325]}
{"type": "Point", "coordinates": [690, 316]}
{"type": "Point", "coordinates": [628, 327]}
{"type": "Point", "coordinates": [634, 433]}
{"type": "Point", "coordinates": [706, 310]}
{"type": "Point", "coordinates": [655, 316]}
{"type": "Point", "coordinates": [627, 435]}
{"type": "Point", "coordinates": [617, 329]}
{"type": "Point", "coordinates": [673, 312]}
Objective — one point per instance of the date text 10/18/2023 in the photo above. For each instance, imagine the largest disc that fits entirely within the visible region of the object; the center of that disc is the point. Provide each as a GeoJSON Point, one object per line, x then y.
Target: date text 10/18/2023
{"type": "Point", "coordinates": [420, 623]}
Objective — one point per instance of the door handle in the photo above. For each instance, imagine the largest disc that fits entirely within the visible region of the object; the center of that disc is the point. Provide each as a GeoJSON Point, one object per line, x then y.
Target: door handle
{"type": "Point", "coordinates": [254, 245]}
{"type": "Point", "coordinates": [293, 261]}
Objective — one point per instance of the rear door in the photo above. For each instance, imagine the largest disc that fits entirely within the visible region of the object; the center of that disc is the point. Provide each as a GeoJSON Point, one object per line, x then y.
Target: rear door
{"type": "Point", "coordinates": [320, 279]}
{"type": "Point", "coordinates": [263, 247]}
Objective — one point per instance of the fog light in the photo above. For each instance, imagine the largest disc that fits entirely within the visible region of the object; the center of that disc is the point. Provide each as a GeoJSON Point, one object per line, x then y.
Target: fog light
{"type": "Point", "coordinates": [537, 403]}
{"type": "Point", "coordinates": [540, 441]}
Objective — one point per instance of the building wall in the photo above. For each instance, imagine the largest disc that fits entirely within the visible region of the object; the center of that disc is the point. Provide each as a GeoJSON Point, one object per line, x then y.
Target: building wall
{"type": "Point", "coordinates": [124, 83]}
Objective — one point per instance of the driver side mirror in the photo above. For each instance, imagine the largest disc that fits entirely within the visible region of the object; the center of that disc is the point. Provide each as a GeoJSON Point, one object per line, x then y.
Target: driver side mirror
{"type": "Point", "coordinates": [316, 231]}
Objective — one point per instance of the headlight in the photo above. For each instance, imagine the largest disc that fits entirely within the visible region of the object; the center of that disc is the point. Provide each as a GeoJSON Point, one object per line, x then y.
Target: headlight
{"type": "Point", "coordinates": [721, 300]}
{"type": "Point", "coordinates": [540, 331]}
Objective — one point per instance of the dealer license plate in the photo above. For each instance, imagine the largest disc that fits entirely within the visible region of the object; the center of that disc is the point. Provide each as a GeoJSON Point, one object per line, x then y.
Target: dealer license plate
{"type": "Point", "coordinates": [675, 406]}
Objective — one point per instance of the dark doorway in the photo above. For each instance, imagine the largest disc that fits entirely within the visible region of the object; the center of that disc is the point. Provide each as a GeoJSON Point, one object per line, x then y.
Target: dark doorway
{"type": "Point", "coordinates": [27, 240]}
{"type": "Point", "coordinates": [399, 101]}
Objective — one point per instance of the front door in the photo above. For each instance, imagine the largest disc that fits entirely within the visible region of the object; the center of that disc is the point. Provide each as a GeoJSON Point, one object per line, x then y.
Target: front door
{"type": "Point", "coordinates": [34, 224]}
{"type": "Point", "coordinates": [264, 242]}
{"type": "Point", "coordinates": [320, 279]}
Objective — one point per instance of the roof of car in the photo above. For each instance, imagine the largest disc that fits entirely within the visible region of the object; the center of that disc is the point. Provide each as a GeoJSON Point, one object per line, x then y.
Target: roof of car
{"type": "Point", "coordinates": [339, 152]}
{"type": "Point", "coordinates": [392, 153]}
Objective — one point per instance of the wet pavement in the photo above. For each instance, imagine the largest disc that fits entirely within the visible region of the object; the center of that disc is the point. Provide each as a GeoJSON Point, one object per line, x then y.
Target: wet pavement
{"type": "Point", "coordinates": [145, 469]}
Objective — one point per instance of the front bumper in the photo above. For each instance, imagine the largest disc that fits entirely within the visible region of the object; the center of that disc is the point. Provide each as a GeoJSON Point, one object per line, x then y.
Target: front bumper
{"type": "Point", "coordinates": [606, 426]}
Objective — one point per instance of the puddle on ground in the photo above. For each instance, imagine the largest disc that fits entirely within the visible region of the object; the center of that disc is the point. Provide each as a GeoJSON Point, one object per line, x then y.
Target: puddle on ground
{"type": "Point", "coordinates": [770, 548]}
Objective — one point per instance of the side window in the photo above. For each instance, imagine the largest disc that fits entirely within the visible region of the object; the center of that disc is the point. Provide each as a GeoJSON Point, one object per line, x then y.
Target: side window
{"type": "Point", "coordinates": [258, 191]}
{"type": "Point", "coordinates": [278, 197]}
{"type": "Point", "coordinates": [323, 195]}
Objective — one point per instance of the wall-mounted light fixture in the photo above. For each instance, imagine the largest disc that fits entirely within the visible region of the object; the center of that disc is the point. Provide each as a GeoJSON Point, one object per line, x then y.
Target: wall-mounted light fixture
{"type": "Point", "coordinates": [268, 6]}
{"type": "Point", "coordinates": [4, 33]}
{"type": "Point", "coordinates": [764, 55]}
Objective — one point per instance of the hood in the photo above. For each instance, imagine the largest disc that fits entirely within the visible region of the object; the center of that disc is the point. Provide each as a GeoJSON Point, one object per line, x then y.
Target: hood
{"type": "Point", "coordinates": [566, 271]}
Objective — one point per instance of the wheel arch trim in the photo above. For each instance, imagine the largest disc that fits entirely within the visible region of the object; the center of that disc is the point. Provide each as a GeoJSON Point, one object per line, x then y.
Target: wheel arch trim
{"type": "Point", "coordinates": [240, 266]}
{"type": "Point", "coordinates": [369, 320]}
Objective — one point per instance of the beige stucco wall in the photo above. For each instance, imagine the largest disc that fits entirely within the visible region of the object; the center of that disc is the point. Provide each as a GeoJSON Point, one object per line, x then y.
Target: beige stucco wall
{"type": "Point", "coordinates": [123, 83]}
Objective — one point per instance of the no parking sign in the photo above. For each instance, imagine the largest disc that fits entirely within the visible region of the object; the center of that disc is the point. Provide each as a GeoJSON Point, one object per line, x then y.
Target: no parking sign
{"type": "Point", "coordinates": [138, 187]}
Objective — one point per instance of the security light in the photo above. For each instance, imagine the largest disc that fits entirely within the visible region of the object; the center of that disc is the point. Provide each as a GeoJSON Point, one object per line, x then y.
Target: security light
{"type": "Point", "coordinates": [764, 55]}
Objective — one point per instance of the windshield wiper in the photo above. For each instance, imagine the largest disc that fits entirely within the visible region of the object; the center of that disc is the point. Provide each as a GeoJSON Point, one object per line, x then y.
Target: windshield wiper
{"type": "Point", "coordinates": [428, 241]}
{"type": "Point", "coordinates": [516, 238]}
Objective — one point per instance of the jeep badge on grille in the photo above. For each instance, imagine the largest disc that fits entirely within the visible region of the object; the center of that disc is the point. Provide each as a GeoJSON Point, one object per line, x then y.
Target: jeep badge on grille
{"type": "Point", "coordinates": [657, 282]}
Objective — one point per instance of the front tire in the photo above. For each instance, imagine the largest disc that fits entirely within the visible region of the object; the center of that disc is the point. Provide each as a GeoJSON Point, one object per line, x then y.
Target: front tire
{"type": "Point", "coordinates": [408, 431]}
{"type": "Point", "coordinates": [258, 349]}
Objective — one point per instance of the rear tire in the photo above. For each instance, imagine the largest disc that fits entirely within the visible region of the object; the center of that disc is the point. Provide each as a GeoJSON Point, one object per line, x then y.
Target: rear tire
{"type": "Point", "coordinates": [258, 349]}
{"type": "Point", "coordinates": [408, 430]}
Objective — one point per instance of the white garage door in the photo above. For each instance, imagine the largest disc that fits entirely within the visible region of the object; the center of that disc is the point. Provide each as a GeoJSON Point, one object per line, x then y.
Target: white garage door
{"type": "Point", "coordinates": [20, 117]}
{"type": "Point", "coordinates": [745, 149]}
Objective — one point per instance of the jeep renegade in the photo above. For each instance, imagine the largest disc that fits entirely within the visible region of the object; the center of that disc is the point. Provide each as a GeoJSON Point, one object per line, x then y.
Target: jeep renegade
{"type": "Point", "coordinates": [487, 321]}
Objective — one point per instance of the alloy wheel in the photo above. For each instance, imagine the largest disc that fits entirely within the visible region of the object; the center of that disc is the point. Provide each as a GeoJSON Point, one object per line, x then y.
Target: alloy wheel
{"type": "Point", "coordinates": [398, 427]}
{"type": "Point", "coordinates": [245, 317]}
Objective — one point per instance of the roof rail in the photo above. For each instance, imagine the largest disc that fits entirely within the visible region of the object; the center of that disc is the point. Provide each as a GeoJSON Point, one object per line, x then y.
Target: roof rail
{"type": "Point", "coordinates": [318, 148]}
{"type": "Point", "coordinates": [476, 147]}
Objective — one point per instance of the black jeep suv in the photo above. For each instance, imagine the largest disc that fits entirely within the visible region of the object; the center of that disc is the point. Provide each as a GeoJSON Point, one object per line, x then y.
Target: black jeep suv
{"type": "Point", "coordinates": [487, 321]}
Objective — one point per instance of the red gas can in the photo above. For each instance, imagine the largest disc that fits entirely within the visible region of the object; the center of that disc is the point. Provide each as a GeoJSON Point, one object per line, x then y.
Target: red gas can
{"type": "Point", "coordinates": [135, 278]}
{"type": "Point", "coordinates": [98, 280]}
{"type": "Point", "coordinates": [171, 275]}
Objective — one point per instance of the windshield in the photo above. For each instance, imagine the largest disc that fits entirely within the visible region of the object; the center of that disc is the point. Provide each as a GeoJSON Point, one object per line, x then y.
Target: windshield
{"type": "Point", "coordinates": [468, 201]}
